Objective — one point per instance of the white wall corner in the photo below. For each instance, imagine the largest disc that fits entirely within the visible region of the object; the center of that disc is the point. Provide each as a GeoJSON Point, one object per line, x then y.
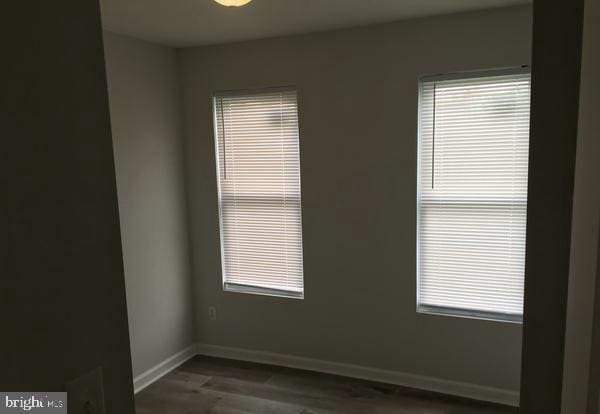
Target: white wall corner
{"type": "Point", "coordinates": [156, 372]}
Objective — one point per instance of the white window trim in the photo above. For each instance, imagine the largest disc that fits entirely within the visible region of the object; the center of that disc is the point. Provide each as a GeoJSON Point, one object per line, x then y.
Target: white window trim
{"type": "Point", "coordinates": [236, 287]}
{"type": "Point", "coordinates": [441, 310]}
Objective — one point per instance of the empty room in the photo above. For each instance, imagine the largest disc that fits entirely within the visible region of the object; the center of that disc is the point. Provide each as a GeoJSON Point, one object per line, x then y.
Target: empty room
{"type": "Point", "coordinates": [301, 207]}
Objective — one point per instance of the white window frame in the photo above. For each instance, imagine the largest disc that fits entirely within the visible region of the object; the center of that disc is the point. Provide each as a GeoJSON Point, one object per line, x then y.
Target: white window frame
{"type": "Point", "coordinates": [441, 310]}
{"type": "Point", "coordinates": [236, 287]}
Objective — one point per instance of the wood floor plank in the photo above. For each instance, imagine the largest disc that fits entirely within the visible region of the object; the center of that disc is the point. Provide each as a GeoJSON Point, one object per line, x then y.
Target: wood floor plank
{"type": "Point", "coordinates": [254, 405]}
{"type": "Point", "coordinates": [317, 403]}
{"type": "Point", "coordinates": [246, 371]}
{"type": "Point", "coordinates": [331, 385]}
{"type": "Point", "coordinates": [161, 400]}
{"type": "Point", "coordinates": [217, 386]}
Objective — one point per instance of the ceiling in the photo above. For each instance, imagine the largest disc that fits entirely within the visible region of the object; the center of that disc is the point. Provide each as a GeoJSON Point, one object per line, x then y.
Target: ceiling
{"type": "Point", "coordinates": [183, 23]}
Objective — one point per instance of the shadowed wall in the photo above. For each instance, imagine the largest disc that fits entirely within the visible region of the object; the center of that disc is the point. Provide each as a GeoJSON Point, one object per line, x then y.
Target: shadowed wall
{"type": "Point", "coordinates": [62, 302]}
{"type": "Point", "coordinates": [146, 123]}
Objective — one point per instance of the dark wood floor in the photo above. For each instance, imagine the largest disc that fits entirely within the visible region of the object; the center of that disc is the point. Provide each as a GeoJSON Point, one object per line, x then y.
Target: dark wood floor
{"type": "Point", "coordinates": [218, 386]}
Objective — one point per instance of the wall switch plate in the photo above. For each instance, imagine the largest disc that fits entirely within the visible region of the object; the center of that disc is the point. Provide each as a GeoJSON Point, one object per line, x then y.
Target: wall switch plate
{"type": "Point", "coordinates": [85, 395]}
{"type": "Point", "coordinates": [212, 313]}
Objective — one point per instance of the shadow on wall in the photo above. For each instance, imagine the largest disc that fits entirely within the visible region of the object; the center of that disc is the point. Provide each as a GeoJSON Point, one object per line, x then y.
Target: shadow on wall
{"type": "Point", "coordinates": [63, 310]}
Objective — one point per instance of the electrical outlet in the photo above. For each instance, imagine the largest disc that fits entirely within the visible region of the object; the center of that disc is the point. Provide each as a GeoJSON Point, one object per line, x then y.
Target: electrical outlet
{"type": "Point", "coordinates": [86, 394]}
{"type": "Point", "coordinates": [212, 313]}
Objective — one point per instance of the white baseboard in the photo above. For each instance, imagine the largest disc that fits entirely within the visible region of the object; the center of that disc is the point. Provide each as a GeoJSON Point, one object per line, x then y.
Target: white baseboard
{"type": "Point", "coordinates": [461, 389]}
{"type": "Point", "coordinates": [148, 377]}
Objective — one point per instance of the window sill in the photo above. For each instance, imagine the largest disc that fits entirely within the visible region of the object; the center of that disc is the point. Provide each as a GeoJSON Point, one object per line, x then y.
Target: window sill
{"type": "Point", "coordinates": [256, 290]}
{"type": "Point", "coordinates": [470, 314]}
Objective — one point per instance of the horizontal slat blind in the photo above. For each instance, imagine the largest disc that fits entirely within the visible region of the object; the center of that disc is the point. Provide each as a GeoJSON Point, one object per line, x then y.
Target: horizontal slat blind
{"type": "Point", "coordinates": [259, 191]}
{"type": "Point", "coordinates": [473, 159]}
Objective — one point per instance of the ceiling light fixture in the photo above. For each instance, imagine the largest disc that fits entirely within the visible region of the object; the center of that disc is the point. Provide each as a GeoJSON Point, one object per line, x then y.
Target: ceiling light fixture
{"type": "Point", "coordinates": [233, 3]}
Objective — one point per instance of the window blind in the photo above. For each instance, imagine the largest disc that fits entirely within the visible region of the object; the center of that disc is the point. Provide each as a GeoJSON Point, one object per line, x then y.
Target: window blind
{"type": "Point", "coordinates": [258, 161]}
{"type": "Point", "coordinates": [472, 193]}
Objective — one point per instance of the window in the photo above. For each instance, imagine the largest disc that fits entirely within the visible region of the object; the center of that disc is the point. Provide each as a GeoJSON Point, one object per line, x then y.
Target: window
{"type": "Point", "coordinates": [472, 194]}
{"type": "Point", "coordinates": [258, 166]}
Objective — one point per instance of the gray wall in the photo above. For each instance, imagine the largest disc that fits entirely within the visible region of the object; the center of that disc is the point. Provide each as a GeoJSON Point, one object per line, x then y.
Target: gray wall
{"type": "Point", "coordinates": [585, 232]}
{"type": "Point", "coordinates": [145, 113]}
{"type": "Point", "coordinates": [358, 126]}
{"type": "Point", "coordinates": [557, 29]}
{"type": "Point", "coordinates": [62, 301]}
{"type": "Point", "coordinates": [594, 368]}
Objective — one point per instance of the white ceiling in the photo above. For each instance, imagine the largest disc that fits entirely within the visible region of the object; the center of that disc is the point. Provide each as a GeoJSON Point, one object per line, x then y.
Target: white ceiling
{"type": "Point", "coordinates": [203, 22]}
